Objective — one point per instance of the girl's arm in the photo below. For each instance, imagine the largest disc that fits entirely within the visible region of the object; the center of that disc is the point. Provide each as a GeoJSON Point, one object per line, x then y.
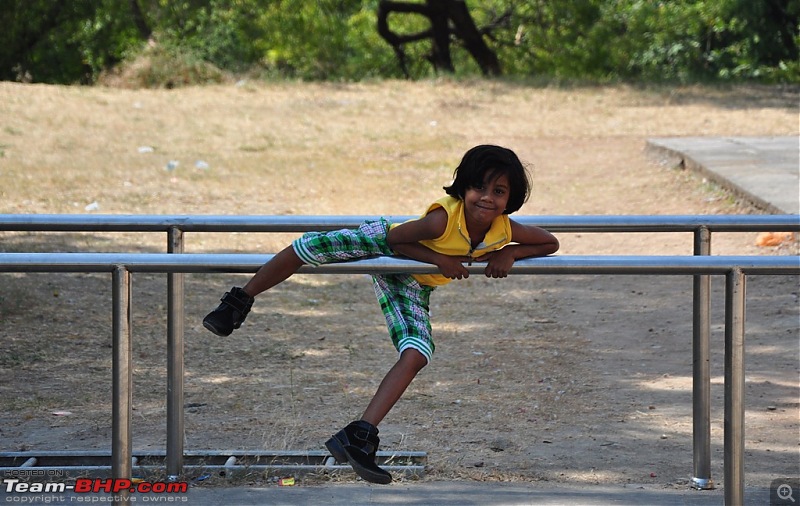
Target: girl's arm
{"type": "Point", "coordinates": [404, 240]}
{"type": "Point", "coordinates": [529, 241]}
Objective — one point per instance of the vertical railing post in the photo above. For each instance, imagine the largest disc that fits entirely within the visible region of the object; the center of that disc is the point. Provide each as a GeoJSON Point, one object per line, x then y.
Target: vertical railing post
{"type": "Point", "coordinates": [734, 387]}
{"type": "Point", "coordinates": [122, 395]}
{"type": "Point", "coordinates": [175, 319]}
{"type": "Point", "coordinates": [701, 374]}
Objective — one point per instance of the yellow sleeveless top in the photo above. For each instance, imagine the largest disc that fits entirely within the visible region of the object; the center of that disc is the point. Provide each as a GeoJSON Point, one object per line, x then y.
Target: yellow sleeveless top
{"type": "Point", "coordinates": [455, 240]}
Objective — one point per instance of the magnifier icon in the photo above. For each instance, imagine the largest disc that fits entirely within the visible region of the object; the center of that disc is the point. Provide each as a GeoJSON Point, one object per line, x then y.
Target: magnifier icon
{"type": "Point", "coordinates": [785, 492]}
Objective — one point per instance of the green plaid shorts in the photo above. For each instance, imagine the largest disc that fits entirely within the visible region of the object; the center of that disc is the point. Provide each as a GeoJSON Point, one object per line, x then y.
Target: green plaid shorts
{"type": "Point", "coordinates": [404, 302]}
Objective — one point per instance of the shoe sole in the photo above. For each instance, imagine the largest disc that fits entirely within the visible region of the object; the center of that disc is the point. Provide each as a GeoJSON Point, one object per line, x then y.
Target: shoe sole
{"type": "Point", "coordinates": [215, 330]}
{"type": "Point", "coordinates": [340, 454]}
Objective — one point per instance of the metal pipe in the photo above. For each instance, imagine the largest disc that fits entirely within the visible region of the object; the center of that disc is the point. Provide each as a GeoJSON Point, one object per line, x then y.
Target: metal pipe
{"type": "Point", "coordinates": [175, 362]}
{"type": "Point", "coordinates": [701, 374]}
{"type": "Point", "coordinates": [121, 442]}
{"type": "Point", "coordinates": [211, 223]}
{"type": "Point", "coordinates": [734, 387]}
{"type": "Point", "coordinates": [249, 263]}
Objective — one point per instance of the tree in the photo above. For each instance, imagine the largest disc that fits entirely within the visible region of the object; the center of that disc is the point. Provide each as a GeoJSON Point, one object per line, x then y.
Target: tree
{"type": "Point", "coordinates": [76, 41]}
{"type": "Point", "coordinates": [64, 41]}
{"type": "Point", "coordinates": [449, 19]}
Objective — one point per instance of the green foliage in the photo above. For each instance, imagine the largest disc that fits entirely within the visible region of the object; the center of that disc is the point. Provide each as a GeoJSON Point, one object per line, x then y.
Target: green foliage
{"type": "Point", "coordinates": [308, 40]}
{"type": "Point", "coordinates": [75, 41]}
{"type": "Point", "coordinates": [698, 39]}
{"type": "Point", "coordinates": [676, 40]}
{"type": "Point", "coordinates": [549, 38]}
{"type": "Point", "coordinates": [326, 39]}
{"type": "Point", "coordinates": [220, 32]}
{"type": "Point", "coordinates": [62, 42]}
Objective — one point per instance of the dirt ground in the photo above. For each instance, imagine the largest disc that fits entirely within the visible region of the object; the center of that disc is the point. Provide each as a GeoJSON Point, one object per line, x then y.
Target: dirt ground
{"type": "Point", "coordinates": [560, 378]}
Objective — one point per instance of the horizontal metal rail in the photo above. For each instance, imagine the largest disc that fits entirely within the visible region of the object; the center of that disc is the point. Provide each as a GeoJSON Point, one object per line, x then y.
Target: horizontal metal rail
{"type": "Point", "coordinates": [122, 264]}
{"type": "Point", "coordinates": [227, 463]}
{"type": "Point", "coordinates": [266, 223]}
{"type": "Point", "coordinates": [249, 263]}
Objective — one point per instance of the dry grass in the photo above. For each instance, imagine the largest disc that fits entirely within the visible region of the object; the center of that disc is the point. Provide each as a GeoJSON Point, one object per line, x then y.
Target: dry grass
{"type": "Point", "coordinates": [346, 149]}
{"type": "Point", "coordinates": [531, 367]}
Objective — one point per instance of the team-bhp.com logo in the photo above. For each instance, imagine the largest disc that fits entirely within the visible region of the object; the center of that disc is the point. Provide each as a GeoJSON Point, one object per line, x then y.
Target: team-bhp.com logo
{"type": "Point", "coordinates": [82, 491]}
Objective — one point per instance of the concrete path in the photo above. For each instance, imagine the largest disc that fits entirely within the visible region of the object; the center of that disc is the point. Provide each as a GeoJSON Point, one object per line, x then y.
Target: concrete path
{"type": "Point", "coordinates": [422, 493]}
{"type": "Point", "coordinates": [764, 170]}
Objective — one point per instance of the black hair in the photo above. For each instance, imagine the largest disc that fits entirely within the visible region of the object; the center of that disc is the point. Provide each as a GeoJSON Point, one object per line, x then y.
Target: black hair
{"type": "Point", "coordinates": [486, 162]}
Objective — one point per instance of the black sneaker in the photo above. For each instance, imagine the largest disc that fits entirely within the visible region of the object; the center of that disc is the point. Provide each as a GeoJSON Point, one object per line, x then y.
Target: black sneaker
{"type": "Point", "coordinates": [230, 314]}
{"type": "Point", "coordinates": [356, 445]}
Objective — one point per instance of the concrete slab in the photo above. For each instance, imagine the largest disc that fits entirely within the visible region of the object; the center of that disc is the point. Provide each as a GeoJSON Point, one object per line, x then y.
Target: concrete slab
{"type": "Point", "coordinates": [463, 493]}
{"type": "Point", "coordinates": [763, 170]}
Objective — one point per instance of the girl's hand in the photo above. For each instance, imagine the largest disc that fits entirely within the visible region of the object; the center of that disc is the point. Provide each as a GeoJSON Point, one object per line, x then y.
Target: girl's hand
{"type": "Point", "coordinates": [528, 242]}
{"type": "Point", "coordinates": [453, 267]}
{"type": "Point", "coordinates": [499, 262]}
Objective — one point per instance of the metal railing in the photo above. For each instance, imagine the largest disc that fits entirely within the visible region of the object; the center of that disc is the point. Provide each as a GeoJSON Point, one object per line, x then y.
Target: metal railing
{"type": "Point", "coordinates": [270, 223]}
{"type": "Point", "coordinates": [175, 226]}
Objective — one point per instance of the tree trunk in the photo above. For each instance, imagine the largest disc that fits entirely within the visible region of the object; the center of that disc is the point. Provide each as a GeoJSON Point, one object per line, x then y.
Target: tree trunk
{"type": "Point", "coordinates": [448, 18]}
{"type": "Point", "coordinates": [439, 14]}
{"type": "Point", "coordinates": [473, 40]}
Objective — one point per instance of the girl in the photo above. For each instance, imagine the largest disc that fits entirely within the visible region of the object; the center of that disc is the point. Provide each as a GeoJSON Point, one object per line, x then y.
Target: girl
{"type": "Point", "coordinates": [470, 224]}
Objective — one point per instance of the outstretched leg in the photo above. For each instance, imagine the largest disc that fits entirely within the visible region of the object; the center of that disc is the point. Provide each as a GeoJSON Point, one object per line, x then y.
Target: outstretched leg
{"type": "Point", "coordinates": [236, 304]}
{"type": "Point", "coordinates": [277, 270]}
{"type": "Point", "coordinates": [313, 248]}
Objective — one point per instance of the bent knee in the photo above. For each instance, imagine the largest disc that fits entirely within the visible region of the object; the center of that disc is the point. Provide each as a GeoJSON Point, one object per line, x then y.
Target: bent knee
{"type": "Point", "coordinates": [413, 359]}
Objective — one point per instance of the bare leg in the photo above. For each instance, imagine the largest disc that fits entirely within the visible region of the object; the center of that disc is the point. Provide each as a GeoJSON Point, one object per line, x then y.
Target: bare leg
{"type": "Point", "coordinates": [393, 385]}
{"type": "Point", "coordinates": [278, 269]}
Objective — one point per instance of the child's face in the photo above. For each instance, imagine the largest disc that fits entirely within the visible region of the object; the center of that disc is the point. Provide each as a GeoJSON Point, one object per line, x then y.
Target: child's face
{"type": "Point", "coordinates": [485, 203]}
